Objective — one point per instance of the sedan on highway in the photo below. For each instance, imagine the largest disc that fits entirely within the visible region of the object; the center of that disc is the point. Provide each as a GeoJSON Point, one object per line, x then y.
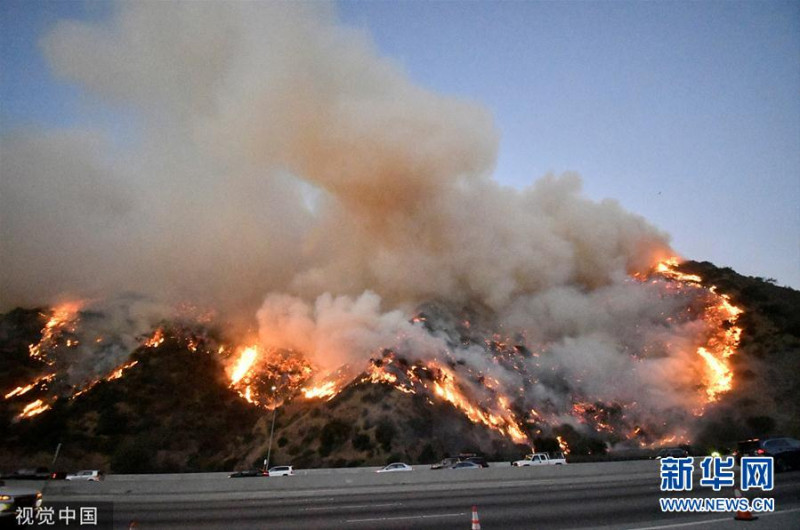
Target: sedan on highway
{"type": "Point", "coordinates": [466, 465]}
{"type": "Point", "coordinates": [396, 466]}
{"type": "Point", "coordinates": [249, 473]}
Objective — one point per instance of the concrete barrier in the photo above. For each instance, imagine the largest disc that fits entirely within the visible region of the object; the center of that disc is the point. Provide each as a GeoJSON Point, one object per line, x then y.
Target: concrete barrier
{"type": "Point", "coordinates": [157, 488]}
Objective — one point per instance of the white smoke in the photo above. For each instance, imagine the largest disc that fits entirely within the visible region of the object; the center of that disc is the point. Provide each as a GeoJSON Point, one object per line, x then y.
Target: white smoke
{"type": "Point", "coordinates": [274, 151]}
{"type": "Point", "coordinates": [243, 110]}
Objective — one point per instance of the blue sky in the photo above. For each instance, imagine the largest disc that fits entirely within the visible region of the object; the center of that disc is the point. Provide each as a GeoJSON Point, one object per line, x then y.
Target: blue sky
{"type": "Point", "coordinates": [688, 113]}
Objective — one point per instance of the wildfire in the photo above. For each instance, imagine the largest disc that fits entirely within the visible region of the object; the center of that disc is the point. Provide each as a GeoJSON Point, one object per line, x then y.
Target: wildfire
{"type": "Point", "coordinates": [265, 378]}
{"type": "Point", "coordinates": [325, 390]}
{"type": "Point", "coordinates": [563, 445]}
{"type": "Point", "coordinates": [720, 375]}
{"type": "Point", "coordinates": [244, 364]}
{"type": "Point", "coordinates": [156, 340]}
{"type": "Point", "coordinates": [116, 374]}
{"type": "Point", "coordinates": [34, 408]}
{"type": "Point", "coordinates": [20, 390]}
{"type": "Point", "coordinates": [667, 268]}
{"type": "Point", "coordinates": [723, 342]}
{"type": "Point", "coordinates": [386, 371]}
{"type": "Point", "coordinates": [62, 319]}
{"type": "Point", "coordinates": [505, 422]}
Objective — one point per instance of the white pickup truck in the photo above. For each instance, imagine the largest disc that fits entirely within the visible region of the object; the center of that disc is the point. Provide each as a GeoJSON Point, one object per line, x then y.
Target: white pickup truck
{"type": "Point", "coordinates": [541, 459]}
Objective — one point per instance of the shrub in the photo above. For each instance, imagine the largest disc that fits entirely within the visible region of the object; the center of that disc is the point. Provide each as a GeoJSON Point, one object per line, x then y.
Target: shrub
{"type": "Point", "coordinates": [384, 434]}
{"type": "Point", "coordinates": [362, 442]}
{"type": "Point", "coordinates": [333, 434]}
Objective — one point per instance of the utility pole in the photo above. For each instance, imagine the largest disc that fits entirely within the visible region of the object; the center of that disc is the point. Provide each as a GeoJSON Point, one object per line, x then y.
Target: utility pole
{"type": "Point", "coordinates": [272, 429]}
{"type": "Point", "coordinates": [55, 456]}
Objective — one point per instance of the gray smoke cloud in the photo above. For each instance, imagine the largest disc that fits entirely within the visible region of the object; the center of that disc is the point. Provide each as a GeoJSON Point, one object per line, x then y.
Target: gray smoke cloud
{"type": "Point", "coordinates": [272, 150]}
{"type": "Point", "coordinates": [275, 153]}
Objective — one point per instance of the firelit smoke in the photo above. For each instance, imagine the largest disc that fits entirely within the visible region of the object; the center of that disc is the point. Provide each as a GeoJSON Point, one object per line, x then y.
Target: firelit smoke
{"type": "Point", "coordinates": [276, 160]}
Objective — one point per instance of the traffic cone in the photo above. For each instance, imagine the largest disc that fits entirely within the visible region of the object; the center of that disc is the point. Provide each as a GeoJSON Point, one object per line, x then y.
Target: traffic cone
{"type": "Point", "coordinates": [742, 516]}
{"type": "Point", "coordinates": [476, 523]}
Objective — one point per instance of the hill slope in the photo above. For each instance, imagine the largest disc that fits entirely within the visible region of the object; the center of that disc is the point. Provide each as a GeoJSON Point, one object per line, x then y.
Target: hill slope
{"type": "Point", "coordinates": [174, 410]}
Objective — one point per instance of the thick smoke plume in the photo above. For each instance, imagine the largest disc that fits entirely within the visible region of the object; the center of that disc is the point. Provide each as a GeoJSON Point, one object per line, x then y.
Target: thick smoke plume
{"type": "Point", "coordinates": [269, 149]}
{"type": "Point", "coordinates": [272, 152]}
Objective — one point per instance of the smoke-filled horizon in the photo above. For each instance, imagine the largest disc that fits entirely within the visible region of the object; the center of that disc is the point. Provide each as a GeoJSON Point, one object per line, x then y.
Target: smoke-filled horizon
{"type": "Point", "coordinates": [276, 151]}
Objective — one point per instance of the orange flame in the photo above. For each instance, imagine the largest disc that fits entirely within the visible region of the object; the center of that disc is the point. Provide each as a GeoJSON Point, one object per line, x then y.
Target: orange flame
{"type": "Point", "coordinates": [244, 364]}
{"type": "Point", "coordinates": [723, 343]}
{"type": "Point", "coordinates": [34, 408]}
{"type": "Point", "coordinates": [156, 340]}
{"type": "Point", "coordinates": [326, 390]}
{"type": "Point", "coordinates": [116, 374]}
{"type": "Point", "coordinates": [667, 267]}
{"type": "Point", "coordinates": [563, 445]}
{"type": "Point", "coordinates": [62, 318]}
{"type": "Point", "coordinates": [505, 422]}
{"type": "Point", "coordinates": [21, 390]}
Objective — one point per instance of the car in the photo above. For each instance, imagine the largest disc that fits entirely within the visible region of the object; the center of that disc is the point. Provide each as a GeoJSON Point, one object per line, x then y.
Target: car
{"type": "Point", "coordinates": [466, 465]}
{"type": "Point", "coordinates": [446, 463]}
{"type": "Point", "coordinates": [12, 498]}
{"type": "Point", "coordinates": [784, 451]}
{"type": "Point", "coordinates": [280, 471]}
{"type": "Point", "coordinates": [249, 473]}
{"type": "Point", "coordinates": [38, 473]}
{"type": "Point", "coordinates": [89, 475]}
{"type": "Point", "coordinates": [478, 460]}
{"type": "Point", "coordinates": [396, 466]}
{"type": "Point", "coordinates": [541, 459]}
{"type": "Point", "coordinates": [672, 452]}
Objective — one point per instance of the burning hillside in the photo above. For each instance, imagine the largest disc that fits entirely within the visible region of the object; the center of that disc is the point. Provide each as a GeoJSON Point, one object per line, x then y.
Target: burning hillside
{"type": "Point", "coordinates": [518, 393]}
{"type": "Point", "coordinates": [293, 174]}
{"type": "Point", "coordinates": [519, 385]}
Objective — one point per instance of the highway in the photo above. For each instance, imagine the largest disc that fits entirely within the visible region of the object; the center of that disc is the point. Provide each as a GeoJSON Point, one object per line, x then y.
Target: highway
{"type": "Point", "coordinates": [610, 495]}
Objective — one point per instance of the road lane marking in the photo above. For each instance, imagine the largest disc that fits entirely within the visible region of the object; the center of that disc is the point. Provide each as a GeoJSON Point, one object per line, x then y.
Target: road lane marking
{"type": "Point", "coordinates": [374, 519]}
{"type": "Point", "coordinates": [316, 508]}
{"type": "Point", "coordinates": [708, 521]}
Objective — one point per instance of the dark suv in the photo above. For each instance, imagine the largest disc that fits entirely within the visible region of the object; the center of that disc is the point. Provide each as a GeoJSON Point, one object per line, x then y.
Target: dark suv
{"type": "Point", "coordinates": [785, 451]}
{"type": "Point", "coordinates": [479, 460]}
{"type": "Point", "coordinates": [672, 452]}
